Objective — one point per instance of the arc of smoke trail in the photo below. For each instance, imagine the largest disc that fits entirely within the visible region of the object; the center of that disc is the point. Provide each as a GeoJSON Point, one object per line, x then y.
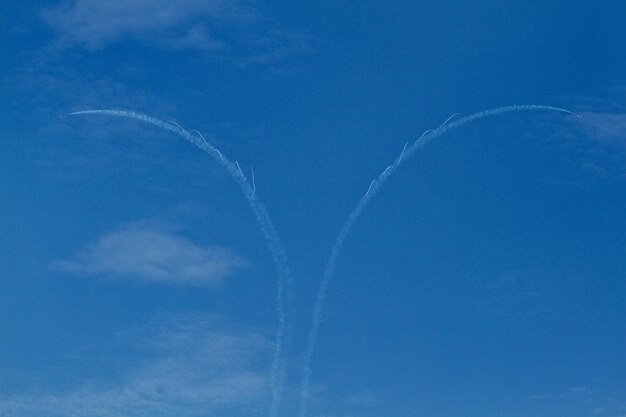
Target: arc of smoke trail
{"type": "Point", "coordinates": [447, 120]}
{"type": "Point", "coordinates": [403, 149]}
{"type": "Point", "coordinates": [424, 134]}
{"type": "Point", "coordinates": [253, 184]}
{"type": "Point", "coordinates": [329, 270]}
{"type": "Point", "coordinates": [277, 251]}
{"type": "Point", "coordinates": [197, 132]}
{"type": "Point", "coordinates": [172, 122]}
{"type": "Point", "coordinates": [239, 168]}
{"type": "Point", "coordinates": [215, 149]}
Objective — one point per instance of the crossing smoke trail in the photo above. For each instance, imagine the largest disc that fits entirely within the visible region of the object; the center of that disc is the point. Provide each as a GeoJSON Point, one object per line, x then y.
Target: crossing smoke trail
{"type": "Point", "coordinates": [374, 187]}
{"type": "Point", "coordinates": [284, 292]}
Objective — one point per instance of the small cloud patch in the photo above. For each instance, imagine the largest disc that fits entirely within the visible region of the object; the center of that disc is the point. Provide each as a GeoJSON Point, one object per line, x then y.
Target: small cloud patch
{"type": "Point", "coordinates": [153, 255]}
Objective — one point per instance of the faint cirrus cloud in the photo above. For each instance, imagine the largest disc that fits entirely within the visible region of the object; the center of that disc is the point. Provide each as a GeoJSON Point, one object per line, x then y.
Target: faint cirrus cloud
{"type": "Point", "coordinates": [183, 365]}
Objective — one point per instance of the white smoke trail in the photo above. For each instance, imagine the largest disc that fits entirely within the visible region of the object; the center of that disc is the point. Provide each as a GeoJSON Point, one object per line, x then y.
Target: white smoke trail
{"type": "Point", "coordinates": [373, 189]}
{"type": "Point", "coordinates": [284, 279]}
{"type": "Point", "coordinates": [253, 183]}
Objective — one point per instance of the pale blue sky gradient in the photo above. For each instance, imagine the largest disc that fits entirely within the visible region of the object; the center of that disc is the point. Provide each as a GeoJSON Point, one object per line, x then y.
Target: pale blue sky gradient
{"type": "Point", "coordinates": [485, 279]}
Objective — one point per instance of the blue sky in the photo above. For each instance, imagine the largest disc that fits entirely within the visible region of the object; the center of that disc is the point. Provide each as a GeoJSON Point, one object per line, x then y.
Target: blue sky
{"type": "Point", "coordinates": [484, 279]}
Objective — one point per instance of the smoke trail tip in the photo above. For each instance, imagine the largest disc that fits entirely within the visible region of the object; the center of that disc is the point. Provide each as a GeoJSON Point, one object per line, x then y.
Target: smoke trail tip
{"type": "Point", "coordinates": [106, 111]}
{"type": "Point", "coordinates": [95, 111]}
{"type": "Point", "coordinates": [562, 110]}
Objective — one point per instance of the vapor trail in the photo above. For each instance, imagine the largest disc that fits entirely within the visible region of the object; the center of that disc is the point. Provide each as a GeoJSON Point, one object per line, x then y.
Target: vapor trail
{"type": "Point", "coordinates": [373, 189]}
{"type": "Point", "coordinates": [284, 279]}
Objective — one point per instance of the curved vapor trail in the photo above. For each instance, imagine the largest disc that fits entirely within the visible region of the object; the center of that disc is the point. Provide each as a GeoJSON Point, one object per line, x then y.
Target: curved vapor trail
{"type": "Point", "coordinates": [284, 280]}
{"type": "Point", "coordinates": [373, 189]}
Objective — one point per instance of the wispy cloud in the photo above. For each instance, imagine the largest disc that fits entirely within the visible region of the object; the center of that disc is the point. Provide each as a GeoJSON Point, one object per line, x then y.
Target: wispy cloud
{"type": "Point", "coordinates": [183, 24]}
{"type": "Point", "coordinates": [517, 295]}
{"type": "Point", "coordinates": [595, 143]}
{"type": "Point", "coordinates": [198, 366]}
{"type": "Point", "coordinates": [592, 401]}
{"type": "Point", "coordinates": [581, 391]}
{"type": "Point", "coordinates": [540, 397]}
{"type": "Point", "coordinates": [235, 29]}
{"type": "Point", "coordinates": [604, 127]}
{"type": "Point", "coordinates": [153, 254]}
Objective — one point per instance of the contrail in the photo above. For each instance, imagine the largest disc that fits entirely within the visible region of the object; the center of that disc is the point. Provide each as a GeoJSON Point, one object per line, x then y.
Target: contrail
{"type": "Point", "coordinates": [284, 296]}
{"type": "Point", "coordinates": [374, 187]}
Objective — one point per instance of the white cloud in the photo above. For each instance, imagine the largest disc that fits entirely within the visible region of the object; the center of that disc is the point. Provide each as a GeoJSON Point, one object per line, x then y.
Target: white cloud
{"type": "Point", "coordinates": [198, 366]}
{"type": "Point", "coordinates": [95, 23]}
{"type": "Point", "coordinates": [153, 254]}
